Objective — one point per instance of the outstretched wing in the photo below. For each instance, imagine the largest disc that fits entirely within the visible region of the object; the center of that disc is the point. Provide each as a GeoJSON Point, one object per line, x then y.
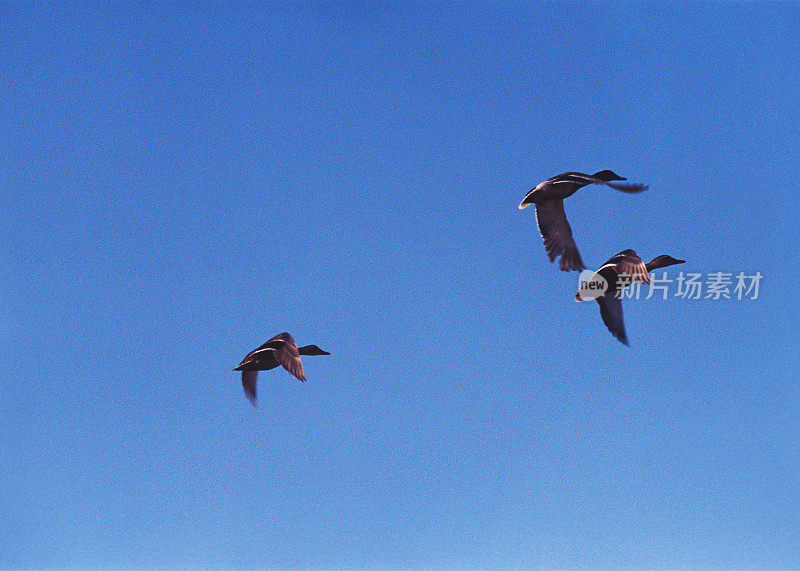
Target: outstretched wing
{"type": "Point", "coordinates": [557, 234]}
{"type": "Point", "coordinates": [288, 356]}
{"type": "Point", "coordinates": [623, 186]}
{"type": "Point", "coordinates": [249, 384]}
{"type": "Point", "coordinates": [285, 337]}
{"type": "Point", "coordinates": [627, 186]}
{"type": "Point", "coordinates": [611, 312]}
{"type": "Point", "coordinates": [630, 264]}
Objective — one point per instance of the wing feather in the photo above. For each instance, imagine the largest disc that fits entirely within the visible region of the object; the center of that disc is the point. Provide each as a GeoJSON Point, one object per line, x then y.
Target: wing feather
{"type": "Point", "coordinates": [249, 384]}
{"type": "Point", "coordinates": [288, 356]}
{"type": "Point", "coordinates": [630, 264]}
{"type": "Point", "coordinates": [611, 312]}
{"type": "Point", "coordinates": [623, 186]}
{"type": "Point", "coordinates": [630, 187]}
{"type": "Point", "coordinates": [557, 234]}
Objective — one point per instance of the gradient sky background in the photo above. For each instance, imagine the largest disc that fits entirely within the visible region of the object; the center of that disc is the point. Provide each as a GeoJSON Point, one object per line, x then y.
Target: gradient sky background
{"type": "Point", "coordinates": [182, 183]}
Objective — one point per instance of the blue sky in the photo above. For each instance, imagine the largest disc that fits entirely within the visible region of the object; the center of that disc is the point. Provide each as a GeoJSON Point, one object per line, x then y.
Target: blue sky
{"type": "Point", "coordinates": [181, 183]}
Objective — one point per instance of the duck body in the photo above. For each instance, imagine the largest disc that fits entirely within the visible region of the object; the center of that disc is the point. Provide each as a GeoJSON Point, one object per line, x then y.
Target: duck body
{"type": "Point", "coordinates": [262, 358]}
{"type": "Point", "coordinates": [548, 197]}
{"type": "Point", "coordinates": [618, 272]}
{"type": "Point", "coordinates": [280, 350]}
{"type": "Point", "coordinates": [565, 185]}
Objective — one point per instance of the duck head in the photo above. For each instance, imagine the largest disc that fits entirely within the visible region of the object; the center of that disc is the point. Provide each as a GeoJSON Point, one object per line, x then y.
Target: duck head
{"type": "Point", "coordinates": [608, 176]}
{"type": "Point", "coordinates": [311, 350]}
{"type": "Point", "coordinates": [663, 261]}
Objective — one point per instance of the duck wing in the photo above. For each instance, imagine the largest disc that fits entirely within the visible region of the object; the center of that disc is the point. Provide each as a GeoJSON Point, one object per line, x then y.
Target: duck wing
{"type": "Point", "coordinates": [288, 356]}
{"type": "Point", "coordinates": [623, 186]}
{"type": "Point", "coordinates": [630, 187]}
{"type": "Point", "coordinates": [249, 384]}
{"type": "Point", "coordinates": [611, 312]}
{"type": "Point", "coordinates": [630, 264]}
{"type": "Point", "coordinates": [557, 234]}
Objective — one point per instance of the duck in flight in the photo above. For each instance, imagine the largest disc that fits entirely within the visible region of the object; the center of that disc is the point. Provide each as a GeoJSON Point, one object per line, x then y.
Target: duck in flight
{"type": "Point", "coordinates": [618, 272]}
{"type": "Point", "coordinates": [280, 350]}
{"type": "Point", "coordinates": [548, 196]}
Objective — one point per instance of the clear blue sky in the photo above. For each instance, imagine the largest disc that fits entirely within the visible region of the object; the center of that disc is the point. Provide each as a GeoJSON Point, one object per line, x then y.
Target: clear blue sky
{"type": "Point", "coordinates": [181, 183]}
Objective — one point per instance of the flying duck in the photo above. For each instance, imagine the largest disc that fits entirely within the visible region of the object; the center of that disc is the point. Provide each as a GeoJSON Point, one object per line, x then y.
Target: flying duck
{"type": "Point", "coordinates": [626, 263]}
{"type": "Point", "coordinates": [280, 350]}
{"type": "Point", "coordinates": [548, 196]}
